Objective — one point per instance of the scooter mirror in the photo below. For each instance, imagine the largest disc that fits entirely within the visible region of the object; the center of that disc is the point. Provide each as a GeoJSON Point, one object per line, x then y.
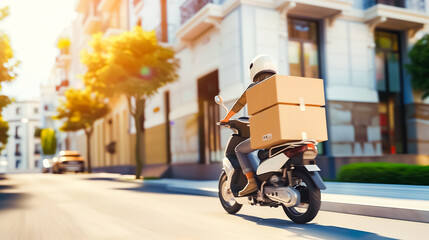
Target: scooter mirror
{"type": "Point", "coordinates": [218, 99]}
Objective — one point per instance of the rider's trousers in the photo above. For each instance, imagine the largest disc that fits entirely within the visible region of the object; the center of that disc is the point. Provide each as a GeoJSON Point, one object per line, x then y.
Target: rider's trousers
{"type": "Point", "coordinates": [241, 150]}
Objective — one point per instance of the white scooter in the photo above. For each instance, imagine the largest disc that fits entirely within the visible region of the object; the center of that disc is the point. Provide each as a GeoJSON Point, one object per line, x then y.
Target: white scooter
{"type": "Point", "coordinates": [287, 175]}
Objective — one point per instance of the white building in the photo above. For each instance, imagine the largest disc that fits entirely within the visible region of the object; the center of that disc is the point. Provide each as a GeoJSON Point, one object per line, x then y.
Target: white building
{"type": "Point", "coordinates": [23, 150]}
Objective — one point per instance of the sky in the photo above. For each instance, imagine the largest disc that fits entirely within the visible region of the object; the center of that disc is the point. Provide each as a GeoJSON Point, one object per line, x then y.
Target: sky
{"type": "Point", "coordinates": [33, 27]}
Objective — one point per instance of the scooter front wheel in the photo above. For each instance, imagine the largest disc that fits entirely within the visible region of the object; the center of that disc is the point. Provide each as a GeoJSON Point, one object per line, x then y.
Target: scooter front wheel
{"type": "Point", "coordinates": [310, 199]}
{"type": "Point", "coordinates": [226, 197]}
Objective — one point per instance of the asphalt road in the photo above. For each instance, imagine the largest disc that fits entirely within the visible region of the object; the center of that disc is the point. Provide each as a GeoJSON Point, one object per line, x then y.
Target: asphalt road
{"type": "Point", "coordinates": [83, 206]}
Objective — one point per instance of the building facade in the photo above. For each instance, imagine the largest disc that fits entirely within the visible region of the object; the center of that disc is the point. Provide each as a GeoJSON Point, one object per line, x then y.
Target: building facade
{"type": "Point", "coordinates": [23, 150]}
{"type": "Point", "coordinates": [358, 47]}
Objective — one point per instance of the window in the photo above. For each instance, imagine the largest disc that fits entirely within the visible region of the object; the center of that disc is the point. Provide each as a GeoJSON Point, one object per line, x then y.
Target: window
{"type": "Point", "coordinates": [388, 79]}
{"type": "Point", "coordinates": [303, 48]}
{"type": "Point", "coordinates": [17, 132]}
{"type": "Point", "coordinates": [18, 111]}
{"type": "Point", "coordinates": [17, 149]}
{"type": "Point", "coordinates": [17, 163]}
{"type": "Point", "coordinates": [36, 110]}
{"type": "Point", "coordinates": [37, 148]}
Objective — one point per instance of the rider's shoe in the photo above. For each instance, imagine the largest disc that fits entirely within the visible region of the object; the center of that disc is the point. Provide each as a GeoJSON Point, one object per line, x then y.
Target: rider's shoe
{"type": "Point", "coordinates": [251, 187]}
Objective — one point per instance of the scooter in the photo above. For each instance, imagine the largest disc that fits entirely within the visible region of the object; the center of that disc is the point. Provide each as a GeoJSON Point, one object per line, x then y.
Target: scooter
{"type": "Point", "coordinates": [287, 175]}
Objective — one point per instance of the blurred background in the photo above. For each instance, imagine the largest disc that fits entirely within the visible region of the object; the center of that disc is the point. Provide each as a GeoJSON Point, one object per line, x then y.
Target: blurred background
{"type": "Point", "coordinates": [360, 49]}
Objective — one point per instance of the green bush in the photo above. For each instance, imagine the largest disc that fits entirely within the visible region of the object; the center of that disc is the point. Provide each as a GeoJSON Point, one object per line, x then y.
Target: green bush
{"type": "Point", "coordinates": [381, 172]}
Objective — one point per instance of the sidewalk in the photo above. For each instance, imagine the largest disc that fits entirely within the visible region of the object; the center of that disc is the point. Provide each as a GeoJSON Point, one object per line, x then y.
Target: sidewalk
{"type": "Point", "coordinates": [402, 202]}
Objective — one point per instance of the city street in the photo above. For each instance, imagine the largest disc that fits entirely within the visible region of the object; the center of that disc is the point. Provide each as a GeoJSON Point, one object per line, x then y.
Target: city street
{"type": "Point", "coordinates": [82, 206]}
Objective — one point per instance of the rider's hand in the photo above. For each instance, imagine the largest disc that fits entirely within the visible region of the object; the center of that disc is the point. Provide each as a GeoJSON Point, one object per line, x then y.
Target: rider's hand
{"type": "Point", "coordinates": [228, 116]}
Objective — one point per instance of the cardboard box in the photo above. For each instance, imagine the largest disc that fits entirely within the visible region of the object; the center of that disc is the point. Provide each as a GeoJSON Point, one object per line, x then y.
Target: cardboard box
{"type": "Point", "coordinates": [282, 123]}
{"type": "Point", "coordinates": [285, 89]}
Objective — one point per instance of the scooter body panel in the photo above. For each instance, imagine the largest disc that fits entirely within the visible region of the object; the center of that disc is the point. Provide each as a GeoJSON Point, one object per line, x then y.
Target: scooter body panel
{"type": "Point", "coordinates": [273, 164]}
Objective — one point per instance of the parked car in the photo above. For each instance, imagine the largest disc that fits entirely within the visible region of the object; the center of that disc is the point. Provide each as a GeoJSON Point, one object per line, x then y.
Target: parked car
{"type": "Point", "coordinates": [68, 161]}
{"type": "Point", "coordinates": [47, 165]}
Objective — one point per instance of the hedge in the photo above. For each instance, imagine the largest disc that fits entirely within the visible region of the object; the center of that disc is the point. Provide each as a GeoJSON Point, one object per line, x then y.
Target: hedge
{"type": "Point", "coordinates": [381, 172]}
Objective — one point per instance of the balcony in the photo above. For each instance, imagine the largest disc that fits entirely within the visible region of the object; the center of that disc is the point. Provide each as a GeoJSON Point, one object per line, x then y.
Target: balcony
{"type": "Point", "coordinates": [399, 15]}
{"type": "Point", "coordinates": [197, 16]}
{"type": "Point", "coordinates": [63, 59]}
{"type": "Point", "coordinates": [414, 5]}
{"type": "Point", "coordinates": [314, 8]}
{"type": "Point", "coordinates": [191, 7]}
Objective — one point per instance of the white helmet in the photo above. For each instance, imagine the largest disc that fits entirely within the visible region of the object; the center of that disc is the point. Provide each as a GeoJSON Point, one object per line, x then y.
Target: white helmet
{"type": "Point", "coordinates": [262, 63]}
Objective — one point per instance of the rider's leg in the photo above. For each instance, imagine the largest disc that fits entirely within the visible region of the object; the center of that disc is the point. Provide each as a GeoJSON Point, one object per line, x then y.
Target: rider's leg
{"type": "Point", "coordinates": [241, 150]}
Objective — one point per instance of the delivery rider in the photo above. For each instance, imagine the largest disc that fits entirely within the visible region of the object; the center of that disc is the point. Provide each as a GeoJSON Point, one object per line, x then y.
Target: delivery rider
{"type": "Point", "coordinates": [261, 68]}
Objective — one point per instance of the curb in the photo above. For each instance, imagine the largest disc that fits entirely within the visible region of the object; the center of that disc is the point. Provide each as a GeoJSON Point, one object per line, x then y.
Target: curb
{"type": "Point", "coordinates": [398, 213]}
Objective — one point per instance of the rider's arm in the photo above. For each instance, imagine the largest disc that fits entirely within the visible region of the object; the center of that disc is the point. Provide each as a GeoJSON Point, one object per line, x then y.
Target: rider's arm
{"type": "Point", "coordinates": [238, 105]}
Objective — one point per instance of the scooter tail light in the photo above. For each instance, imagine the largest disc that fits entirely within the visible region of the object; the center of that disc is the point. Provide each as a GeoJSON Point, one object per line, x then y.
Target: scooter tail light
{"type": "Point", "coordinates": [310, 151]}
{"type": "Point", "coordinates": [295, 151]}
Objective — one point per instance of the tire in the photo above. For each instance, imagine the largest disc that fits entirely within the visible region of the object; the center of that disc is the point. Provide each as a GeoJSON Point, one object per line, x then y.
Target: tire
{"type": "Point", "coordinates": [230, 206]}
{"type": "Point", "coordinates": [310, 197]}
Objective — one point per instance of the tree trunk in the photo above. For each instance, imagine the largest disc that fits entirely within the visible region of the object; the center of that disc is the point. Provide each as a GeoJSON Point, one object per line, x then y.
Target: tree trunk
{"type": "Point", "coordinates": [140, 138]}
{"type": "Point", "coordinates": [88, 149]}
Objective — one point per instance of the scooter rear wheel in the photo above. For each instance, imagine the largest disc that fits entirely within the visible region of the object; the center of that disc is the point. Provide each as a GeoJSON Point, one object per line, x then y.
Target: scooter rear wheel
{"type": "Point", "coordinates": [226, 197]}
{"type": "Point", "coordinates": [310, 199]}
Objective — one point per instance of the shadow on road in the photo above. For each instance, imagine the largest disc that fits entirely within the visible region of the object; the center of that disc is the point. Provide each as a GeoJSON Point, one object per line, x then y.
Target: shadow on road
{"type": "Point", "coordinates": [312, 229]}
{"type": "Point", "coordinates": [159, 190]}
{"type": "Point", "coordinates": [8, 199]}
{"type": "Point", "coordinates": [100, 179]}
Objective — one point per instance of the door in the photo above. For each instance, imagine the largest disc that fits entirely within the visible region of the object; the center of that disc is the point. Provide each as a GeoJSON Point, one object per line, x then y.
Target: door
{"type": "Point", "coordinates": [208, 116]}
{"type": "Point", "coordinates": [389, 87]}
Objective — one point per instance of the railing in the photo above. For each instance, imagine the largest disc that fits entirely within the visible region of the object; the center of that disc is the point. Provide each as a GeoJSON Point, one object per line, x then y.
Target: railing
{"type": "Point", "coordinates": [190, 7]}
{"type": "Point", "coordinates": [416, 5]}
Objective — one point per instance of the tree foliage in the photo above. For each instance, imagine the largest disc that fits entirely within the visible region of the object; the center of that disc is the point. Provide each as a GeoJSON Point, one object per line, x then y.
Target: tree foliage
{"type": "Point", "coordinates": [4, 128]}
{"type": "Point", "coordinates": [133, 64]}
{"type": "Point", "coordinates": [419, 65]}
{"type": "Point", "coordinates": [48, 141]}
{"type": "Point", "coordinates": [80, 110]}
{"type": "Point", "coordinates": [63, 43]}
{"type": "Point", "coordinates": [8, 65]}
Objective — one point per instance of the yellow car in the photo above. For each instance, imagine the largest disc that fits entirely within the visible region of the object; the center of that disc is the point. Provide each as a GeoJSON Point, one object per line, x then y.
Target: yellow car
{"type": "Point", "coordinates": [68, 161]}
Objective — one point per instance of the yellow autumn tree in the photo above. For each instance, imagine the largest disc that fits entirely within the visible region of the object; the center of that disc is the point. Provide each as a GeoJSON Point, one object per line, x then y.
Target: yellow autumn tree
{"type": "Point", "coordinates": [8, 65]}
{"type": "Point", "coordinates": [132, 64]}
{"type": "Point", "coordinates": [80, 110]}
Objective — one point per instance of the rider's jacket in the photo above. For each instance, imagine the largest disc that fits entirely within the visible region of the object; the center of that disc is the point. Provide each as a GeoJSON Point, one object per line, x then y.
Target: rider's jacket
{"type": "Point", "coordinates": [242, 101]}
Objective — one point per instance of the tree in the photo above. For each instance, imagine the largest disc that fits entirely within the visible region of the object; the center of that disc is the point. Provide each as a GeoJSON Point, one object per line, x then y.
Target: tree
{"type": "Point", "coordinates": [132, 64]}
{"type": "Point", "coordinates": [4, 126]}
{"type": "Point", "coordinates": [48, 141]}
{"type": "Point", "coordinates": [80, 110]}
{"type": "Point", "coordinates": [7, 74]}
{"type": "Point", "coordinates": [418, 67]}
